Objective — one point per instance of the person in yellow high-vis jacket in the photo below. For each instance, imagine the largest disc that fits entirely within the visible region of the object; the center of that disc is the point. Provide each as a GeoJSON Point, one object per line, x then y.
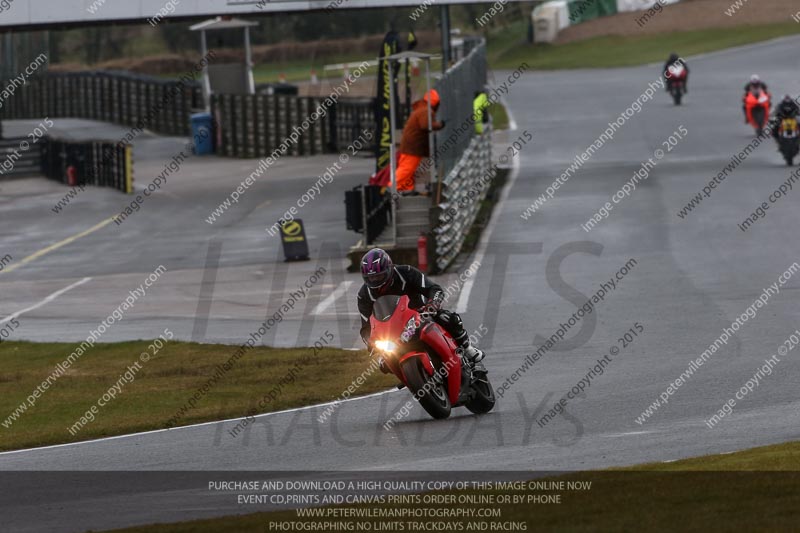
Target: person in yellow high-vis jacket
{"type": "Point", "coordinates": [480, 113]}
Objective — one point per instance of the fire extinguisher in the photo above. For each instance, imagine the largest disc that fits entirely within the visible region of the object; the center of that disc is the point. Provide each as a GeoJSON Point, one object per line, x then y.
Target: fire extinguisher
{"type": "Point", "coordinates": [72, 176]}
{"type": "Point", "coordinates": [422, 252]}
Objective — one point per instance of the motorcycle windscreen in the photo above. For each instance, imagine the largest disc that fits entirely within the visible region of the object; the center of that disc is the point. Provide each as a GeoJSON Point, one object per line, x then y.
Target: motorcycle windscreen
{"type": "Point", "coordinates": [384, 307]}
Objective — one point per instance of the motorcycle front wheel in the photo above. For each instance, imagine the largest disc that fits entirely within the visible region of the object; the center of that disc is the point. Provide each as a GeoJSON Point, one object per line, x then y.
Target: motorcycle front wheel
{"type": "Point", "coordinates": [789, 153]}
{"type": "Point", "coordinates": [430, 393]}
{"type": "Point", "coordinates": [484, 399]}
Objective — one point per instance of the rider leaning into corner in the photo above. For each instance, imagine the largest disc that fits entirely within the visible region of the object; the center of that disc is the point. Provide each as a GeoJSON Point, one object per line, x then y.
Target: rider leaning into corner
{"type": "Point", "coordinates": [675, 59]}
{"type": "Point", "coordinates": [788, 108]}
{"type": "Point", "coordinates": [382, 278]}
{"type": "Point", "coordinates": [755, 83]}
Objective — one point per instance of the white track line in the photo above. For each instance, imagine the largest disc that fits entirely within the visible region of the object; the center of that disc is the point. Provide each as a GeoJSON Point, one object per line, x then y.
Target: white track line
{"type": "Point", "coordinates": [263, 415]}
{"type": "Point", "coordinates": [44, 251]}
{"type": "Point", "coordinates": [331, 298]}
{"type": "Point", "coordinates": [46, 300]}
{"type": "Point", "coordinates": [463, 297]}
{"type": "Point", "coordinates": [628, 434]}
{"type": "Point", "coordinates": [512, 124]}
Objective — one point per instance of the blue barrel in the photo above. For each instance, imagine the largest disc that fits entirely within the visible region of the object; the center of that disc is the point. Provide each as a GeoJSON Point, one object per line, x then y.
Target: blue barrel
{"type": "Point", "coordinates": [203, 133]}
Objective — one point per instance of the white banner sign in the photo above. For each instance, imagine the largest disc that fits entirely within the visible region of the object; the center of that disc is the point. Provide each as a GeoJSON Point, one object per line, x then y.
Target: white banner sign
{"type": "Point", "coordinates": [16, 13]}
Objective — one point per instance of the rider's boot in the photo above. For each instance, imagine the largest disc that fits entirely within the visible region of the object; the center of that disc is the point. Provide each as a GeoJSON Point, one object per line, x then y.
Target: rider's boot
{"type": "Point", "coordinates": [471, 353]}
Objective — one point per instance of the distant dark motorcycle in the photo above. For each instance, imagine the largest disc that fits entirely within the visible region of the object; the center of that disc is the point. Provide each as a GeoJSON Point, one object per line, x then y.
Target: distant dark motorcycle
{"type": "Point", "coordinates": [788, 139]}
{"type": "Point", "coordinates": [677, 82]}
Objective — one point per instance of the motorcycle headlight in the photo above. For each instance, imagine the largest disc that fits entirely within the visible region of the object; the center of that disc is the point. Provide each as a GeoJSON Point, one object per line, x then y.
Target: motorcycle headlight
{"type": "Point", "coordinates": [386, 346]}
{"type": "Point", "coordinates": [409, 330]}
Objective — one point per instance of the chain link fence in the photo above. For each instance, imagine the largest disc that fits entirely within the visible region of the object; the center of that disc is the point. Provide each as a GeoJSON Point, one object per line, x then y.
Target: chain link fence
{"type": "Point", "coordinates": [457, 89]}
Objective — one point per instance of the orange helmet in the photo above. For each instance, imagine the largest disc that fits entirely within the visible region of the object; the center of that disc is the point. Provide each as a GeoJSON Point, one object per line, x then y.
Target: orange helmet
{"type": "Point", "coordinates": [432, 96]}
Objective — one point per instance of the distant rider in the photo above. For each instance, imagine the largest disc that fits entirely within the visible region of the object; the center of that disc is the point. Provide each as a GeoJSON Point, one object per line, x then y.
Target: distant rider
{"type": "Point", "coordinates": [676, 60]}
{"type": "Point", "coordinates": [382, 278]}
{"type": "Point", "coordinates": [788, 108]}
{"type": "Point", "coordinates": [755, 83]}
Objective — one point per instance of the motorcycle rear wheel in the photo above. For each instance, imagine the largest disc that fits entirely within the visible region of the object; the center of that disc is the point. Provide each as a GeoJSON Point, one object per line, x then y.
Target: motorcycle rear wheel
{"type": "Point", "coordinates": [758, 118]}
{"type": "Point", "coordinates": [431, 395]}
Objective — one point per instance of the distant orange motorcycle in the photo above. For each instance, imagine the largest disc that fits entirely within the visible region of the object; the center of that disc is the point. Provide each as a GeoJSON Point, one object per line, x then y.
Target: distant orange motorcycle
{"type": "Point", "coordinates": [757, 107]}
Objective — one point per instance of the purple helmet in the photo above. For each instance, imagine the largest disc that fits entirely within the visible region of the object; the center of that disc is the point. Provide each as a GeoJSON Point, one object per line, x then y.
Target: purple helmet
{"type": "Point", "coordinates": [376, 268]}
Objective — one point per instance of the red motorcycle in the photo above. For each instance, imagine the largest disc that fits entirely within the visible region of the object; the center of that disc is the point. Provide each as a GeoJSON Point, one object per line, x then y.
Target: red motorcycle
{"type": "Point", "coordinates": [423, 357]}
{"type": "Point", "coordinates": [677, 82]}
{"type": "Point", "coordinates": [757, 106]}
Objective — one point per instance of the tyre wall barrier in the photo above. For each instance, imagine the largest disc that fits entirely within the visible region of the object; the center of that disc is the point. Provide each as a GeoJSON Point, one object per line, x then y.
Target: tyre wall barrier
{"type": "Point", "coordinates": [162, 106]}
{"type": "Point", "coordinates": [99, 163]}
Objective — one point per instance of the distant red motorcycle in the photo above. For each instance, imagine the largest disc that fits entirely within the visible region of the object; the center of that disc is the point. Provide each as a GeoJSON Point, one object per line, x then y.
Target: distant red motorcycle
{"type": "Point", "coordinates": [757, 107]}
{"type": "Point", "coordinates": [677, 82]}
{"type": "Point", "coordinates": [423, 357]}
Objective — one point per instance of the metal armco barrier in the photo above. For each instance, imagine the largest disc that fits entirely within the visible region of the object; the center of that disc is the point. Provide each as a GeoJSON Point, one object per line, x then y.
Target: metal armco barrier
{"type": "Point", "coordinates": [99, 163]}
{"type": "Point", "coordinates": [117, 97]}
{"type": "Point", "coordinates": [464, 189]}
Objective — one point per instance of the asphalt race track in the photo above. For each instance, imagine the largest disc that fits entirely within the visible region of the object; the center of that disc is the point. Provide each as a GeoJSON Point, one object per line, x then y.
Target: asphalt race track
{"type": "Point", "coordinates": [691, 278]}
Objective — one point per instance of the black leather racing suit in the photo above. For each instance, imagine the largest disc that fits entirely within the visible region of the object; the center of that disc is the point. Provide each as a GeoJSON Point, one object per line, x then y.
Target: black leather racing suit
{"type": "Point", "coordinates": [784, 110]}
{"type": "Point", "coordinates": [421, 291]}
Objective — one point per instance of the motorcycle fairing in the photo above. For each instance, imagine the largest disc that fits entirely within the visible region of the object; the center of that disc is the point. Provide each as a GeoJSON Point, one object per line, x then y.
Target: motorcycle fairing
{"type": "Point", "coordinates": [434, 336]}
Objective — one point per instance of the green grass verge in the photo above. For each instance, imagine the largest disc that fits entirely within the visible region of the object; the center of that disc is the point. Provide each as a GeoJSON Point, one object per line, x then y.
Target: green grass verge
{"type": "Point", "coordinates": [752, 490]}
{"type": "Point", "coordinates": [162, 386]}
{"type": "Point", "coordinates": [297, 71]}
{"type": "Point", "coordinates": [300, 70]}
{"type": "Point", "coordinates": [508, 49]}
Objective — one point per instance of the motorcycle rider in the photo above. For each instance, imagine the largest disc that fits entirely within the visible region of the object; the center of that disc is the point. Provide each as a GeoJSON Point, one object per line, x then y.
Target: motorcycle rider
{"type": "Point", "coordinates": [382, 277]}
{"type": "Point", "coordinates": [788, 108]}
{"type": "Point", "coordinates": [754, 84]}
{"type": "Point", "coordinates": [675, 59]}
